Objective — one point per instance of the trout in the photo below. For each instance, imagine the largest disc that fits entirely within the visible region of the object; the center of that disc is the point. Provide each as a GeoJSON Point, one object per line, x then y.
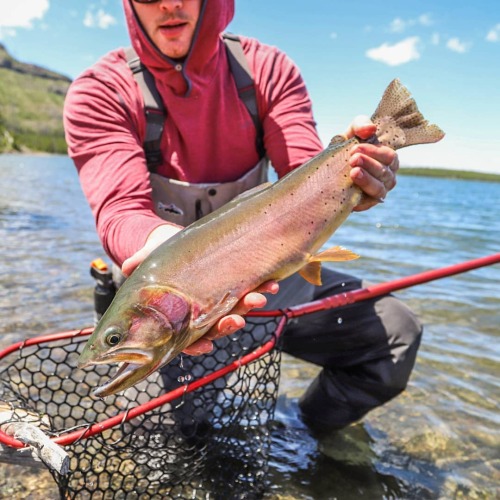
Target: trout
{"type": "Point", "coordinates": [268, 233]}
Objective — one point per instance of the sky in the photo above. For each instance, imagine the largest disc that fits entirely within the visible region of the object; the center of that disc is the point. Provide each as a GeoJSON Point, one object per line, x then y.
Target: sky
{"type": "Point", "coordinates": [446, 52]}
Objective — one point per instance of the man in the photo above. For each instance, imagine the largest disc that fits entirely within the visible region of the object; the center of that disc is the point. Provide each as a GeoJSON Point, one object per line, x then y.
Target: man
{"type": "Point", "coordinates": [208, 147]}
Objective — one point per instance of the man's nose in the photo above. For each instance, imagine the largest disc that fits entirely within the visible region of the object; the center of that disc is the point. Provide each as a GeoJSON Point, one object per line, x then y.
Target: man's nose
{"type": "Point", "coordinates": [171, 5]}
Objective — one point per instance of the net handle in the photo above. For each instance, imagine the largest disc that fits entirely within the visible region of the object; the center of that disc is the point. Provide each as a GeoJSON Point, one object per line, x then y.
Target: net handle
{"type": "Point", "coordinates": [345, 298]}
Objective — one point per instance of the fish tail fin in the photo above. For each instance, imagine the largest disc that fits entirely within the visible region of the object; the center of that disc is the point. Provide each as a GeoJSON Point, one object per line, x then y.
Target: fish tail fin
{"type": "Point", "coordinates": [399, 121]}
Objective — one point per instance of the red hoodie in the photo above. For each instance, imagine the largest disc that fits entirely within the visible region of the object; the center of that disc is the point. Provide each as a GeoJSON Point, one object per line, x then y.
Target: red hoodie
{"type": "Point", "coordinates": [209, 135]}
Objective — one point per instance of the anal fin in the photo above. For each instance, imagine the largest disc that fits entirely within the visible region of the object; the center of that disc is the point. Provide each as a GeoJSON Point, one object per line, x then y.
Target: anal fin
{"type": "Point", "coordinates": [311, 272]}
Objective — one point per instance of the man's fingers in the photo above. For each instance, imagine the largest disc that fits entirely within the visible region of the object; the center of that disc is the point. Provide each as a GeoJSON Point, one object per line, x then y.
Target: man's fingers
{"type": "Point", "coordinates": [361, 127]}
{"type": "Point", "coordinates": [201, 346]}
{"type": "Point", "coordinates": [271, 287]}
{"type": "Point", "coordinates": [226, 326]}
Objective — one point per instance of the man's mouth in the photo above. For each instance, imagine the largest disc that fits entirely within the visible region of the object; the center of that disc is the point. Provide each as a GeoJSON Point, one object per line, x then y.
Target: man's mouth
{"type": "Point", "coordinates": [173, 28]}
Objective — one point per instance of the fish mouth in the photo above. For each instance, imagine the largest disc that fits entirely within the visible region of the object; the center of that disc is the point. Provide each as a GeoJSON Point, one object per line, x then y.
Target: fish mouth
{"type": "Point", "coordinates": [135, 366]}
{"type": "Point", "coordinates": [122, 379]}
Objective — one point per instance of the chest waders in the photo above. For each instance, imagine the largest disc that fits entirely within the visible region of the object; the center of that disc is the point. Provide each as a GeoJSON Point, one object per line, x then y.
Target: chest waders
{"type": "Point", "coordinates": [184, 202]}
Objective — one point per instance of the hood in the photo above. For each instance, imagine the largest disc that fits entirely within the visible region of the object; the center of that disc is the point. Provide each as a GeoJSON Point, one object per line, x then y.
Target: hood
{"type": "Point", "coordinates": [201, 61]}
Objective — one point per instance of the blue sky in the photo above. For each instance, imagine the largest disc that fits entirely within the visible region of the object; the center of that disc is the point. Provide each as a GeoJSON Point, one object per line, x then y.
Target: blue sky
{"type": "Point", "coordinates": [446, 52]}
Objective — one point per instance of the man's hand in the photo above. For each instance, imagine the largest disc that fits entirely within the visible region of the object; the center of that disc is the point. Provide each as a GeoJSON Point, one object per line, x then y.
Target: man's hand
{"type": "Point", "coordinates": [233, 321]}
{"type": "Point", "coordinates": [227, 325]}
{"type": "Point", "coordinates": [374, 166]}
{"type": "Point", "coordinates": [156, 237]}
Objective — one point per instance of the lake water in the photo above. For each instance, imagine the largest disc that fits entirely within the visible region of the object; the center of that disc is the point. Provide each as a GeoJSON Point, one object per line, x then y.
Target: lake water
{"type": "Point", "coordinates": [440, 439]}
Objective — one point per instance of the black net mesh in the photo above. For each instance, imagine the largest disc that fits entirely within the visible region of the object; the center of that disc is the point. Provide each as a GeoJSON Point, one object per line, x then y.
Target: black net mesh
{"type": "Point", "coordinates": [200, 445]}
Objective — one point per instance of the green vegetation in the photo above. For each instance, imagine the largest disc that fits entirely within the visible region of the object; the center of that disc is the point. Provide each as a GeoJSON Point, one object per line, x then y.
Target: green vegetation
{"type": "Point", "coordinates": [31, 105]}
{"type": "Point", "coordinates": [449, 173]}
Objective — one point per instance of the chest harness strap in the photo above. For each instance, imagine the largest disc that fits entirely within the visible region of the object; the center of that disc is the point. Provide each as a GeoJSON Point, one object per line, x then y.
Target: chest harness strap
{"type": "Point", "coordinates": [156, 113]}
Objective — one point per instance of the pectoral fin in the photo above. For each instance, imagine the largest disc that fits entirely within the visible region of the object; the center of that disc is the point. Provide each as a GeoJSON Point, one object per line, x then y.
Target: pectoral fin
{"type": "Point", "coordinates": [220, 309]}
{"type": "Point", "coordinates": [311, 272]}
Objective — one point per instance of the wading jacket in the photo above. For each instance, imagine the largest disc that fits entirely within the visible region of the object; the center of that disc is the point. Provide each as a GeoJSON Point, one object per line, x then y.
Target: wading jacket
{"type": "Point", "coordinates": [209, 136]}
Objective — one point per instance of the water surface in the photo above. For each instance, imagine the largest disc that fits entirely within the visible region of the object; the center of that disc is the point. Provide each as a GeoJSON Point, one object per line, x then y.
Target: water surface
{"type": "Point", "coordinates": [440, 439]}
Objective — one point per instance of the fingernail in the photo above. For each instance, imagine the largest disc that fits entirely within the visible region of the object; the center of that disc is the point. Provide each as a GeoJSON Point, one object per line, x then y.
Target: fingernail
{"type": "Point", "coordinates": [357, 161]}
{"type": "Point", "coordinates": [228, 329]}
{"type": "Point", "coordinates": [358, 173]}
{"type": "Point", "coordinates": [199, 352]}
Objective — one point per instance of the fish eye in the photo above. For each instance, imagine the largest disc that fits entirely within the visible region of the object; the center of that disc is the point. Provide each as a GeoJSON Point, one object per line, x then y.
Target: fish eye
{"type": "Point", "coordinates": [113, 337]}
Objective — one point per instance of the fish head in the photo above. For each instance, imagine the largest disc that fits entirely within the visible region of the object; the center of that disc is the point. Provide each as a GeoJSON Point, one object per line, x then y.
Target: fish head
{"type": "Point", "coordinates": [143, 329]}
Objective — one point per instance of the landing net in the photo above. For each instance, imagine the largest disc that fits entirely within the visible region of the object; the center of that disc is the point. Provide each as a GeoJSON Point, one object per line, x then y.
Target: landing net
{"type": "Point", "coordinates": [198, 429]}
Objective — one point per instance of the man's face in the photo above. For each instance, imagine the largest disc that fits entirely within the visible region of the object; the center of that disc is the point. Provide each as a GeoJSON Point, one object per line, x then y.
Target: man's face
{"type": "Point", "coordinates": [170, 24]}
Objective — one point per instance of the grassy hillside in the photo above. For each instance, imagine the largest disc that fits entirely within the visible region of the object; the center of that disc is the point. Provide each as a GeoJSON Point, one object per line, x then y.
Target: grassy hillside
{"type": "Point", "coordinates": [31, 104]}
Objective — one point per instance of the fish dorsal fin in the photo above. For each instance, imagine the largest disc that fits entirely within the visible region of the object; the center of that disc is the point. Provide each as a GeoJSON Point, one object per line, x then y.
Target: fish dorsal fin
{"type": "Point", "coordinates": [399, 121]}
{"type": "Point", "coordinates": [311, 272]}
{"type": "Point", "coordinates": [220, 309]}
{"type": "Point", "coordinates": [338, 139]}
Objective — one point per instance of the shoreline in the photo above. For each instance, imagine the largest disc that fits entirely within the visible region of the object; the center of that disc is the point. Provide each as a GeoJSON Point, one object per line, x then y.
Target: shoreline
{"type": "Point", "coordinates": [446, 173]}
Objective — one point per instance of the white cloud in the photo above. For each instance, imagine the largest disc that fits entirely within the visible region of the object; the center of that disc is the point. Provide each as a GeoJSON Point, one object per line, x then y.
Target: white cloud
{"type": "Point", "coordinates": [494, 34]}
{"type": "Point", "coordinates": [456, 45]}
{"type": "Point", "coordinates": [22, 14]}
{"type": "Point", "coordinates": [400, 53]}
{"type": "Point", "coordinates": [425, 20]}
{"type": "Point", "coordinates": [99, 19]}
{"type": "Point", "coordinates": [399, 25]}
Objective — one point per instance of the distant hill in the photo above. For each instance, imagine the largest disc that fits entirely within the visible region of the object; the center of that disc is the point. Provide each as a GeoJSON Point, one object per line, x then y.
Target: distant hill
{"type": "Point", "coordinates": [31, 105]}
{"type": "Point", "coordinates": [449, 173]}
